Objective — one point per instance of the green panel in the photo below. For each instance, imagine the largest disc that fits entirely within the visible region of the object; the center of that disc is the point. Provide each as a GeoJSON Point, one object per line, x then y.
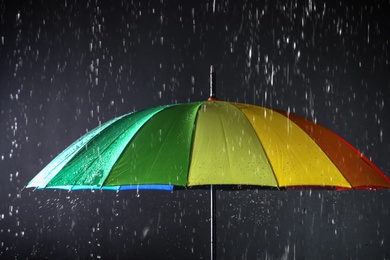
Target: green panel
{"type": "Point", "coordinates": [91, 165]}
{"type": "Point", "coordinates": [55, 166]}
{"type": "Point", "coordinates": [160, 151]}
{"type": "Point", "coordinates": [227, 150]}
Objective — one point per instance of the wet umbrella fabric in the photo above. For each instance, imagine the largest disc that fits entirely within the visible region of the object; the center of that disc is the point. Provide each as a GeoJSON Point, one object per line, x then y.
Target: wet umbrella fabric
{"type": "Point", "coordinates": [210, 143]}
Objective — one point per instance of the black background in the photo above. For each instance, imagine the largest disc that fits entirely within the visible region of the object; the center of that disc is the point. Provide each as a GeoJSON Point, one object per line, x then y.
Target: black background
{"type": "Point", "coordinates": [67, 66]}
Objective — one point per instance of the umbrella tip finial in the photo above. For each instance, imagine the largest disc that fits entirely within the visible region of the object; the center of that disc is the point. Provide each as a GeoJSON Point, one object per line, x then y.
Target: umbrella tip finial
{"type": "Point", "coordinates": [212, 84]}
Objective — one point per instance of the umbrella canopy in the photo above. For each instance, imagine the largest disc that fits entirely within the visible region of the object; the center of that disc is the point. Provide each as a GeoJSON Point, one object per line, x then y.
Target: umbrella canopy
{"type": "Point", "coordinates": [207, 143]}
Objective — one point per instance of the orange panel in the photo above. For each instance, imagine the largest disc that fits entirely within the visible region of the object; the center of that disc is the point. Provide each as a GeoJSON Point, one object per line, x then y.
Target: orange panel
{"type": "Point", "coordinates": [360, 172]}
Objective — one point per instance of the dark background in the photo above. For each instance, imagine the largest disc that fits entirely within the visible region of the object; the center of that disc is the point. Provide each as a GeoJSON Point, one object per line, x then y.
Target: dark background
{"type": "Point", "coordinates": [67, 66]}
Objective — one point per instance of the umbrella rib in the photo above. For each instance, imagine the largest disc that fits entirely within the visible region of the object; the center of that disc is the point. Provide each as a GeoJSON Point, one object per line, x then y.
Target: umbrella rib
{"type": "Point", "coordinates": [285, 114]}
{"type": "Point", "coordinates": [150, 170]}
{"type": "Point", "coordinates": [297, 157]}
{"type": "Point", "coordinates": [107, 147]}
{"type": "Point", "coordinates": [117, 136]}
{"type": "Point", "coordinates": [276, 132]}
{"type": "Point", "coordinates": [193, 132]}
{"type": "Point", "coordinates": [364, 158]}
{"type": "Point", "coordinates": [70, 156]}
{"type": "Point", "coordinates": [132, 137]}
{"type": "Point", "coordinates": [265, 152]}
{"type": "Point", "coordinates": [169, 130]}
{"type": "Point", "coordinates": [103, 151]}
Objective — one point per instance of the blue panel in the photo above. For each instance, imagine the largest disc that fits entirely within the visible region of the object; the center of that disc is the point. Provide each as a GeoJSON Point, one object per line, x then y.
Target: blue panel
{"type": "Point", "coordinates": [110, 187]}
{"type": "Point", "coordinates": [126, 187]}
{"type": "Point", "coordinates": [147, 187]}
{"type": "Point", "coordinates": [85, 187]}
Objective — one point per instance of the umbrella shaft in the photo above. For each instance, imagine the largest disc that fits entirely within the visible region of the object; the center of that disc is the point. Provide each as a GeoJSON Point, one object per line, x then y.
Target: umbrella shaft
{"type": "Point", "coordinates": [213, 214]}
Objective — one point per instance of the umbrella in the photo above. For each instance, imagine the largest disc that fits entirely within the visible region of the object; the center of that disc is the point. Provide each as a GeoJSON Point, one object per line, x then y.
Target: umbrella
{"type": "Point", "coordinates": [211, 143]}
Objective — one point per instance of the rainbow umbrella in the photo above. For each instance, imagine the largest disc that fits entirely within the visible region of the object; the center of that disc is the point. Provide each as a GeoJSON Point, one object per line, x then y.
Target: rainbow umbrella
{"type": "Point", "coordinates": [210, 143]}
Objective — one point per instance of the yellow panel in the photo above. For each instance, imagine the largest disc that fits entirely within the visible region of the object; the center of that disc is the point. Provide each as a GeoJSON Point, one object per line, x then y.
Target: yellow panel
{"type": "Point", "coordinates": [226, 149]}
{"type": "Point", "coordinates": [295, 158]}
